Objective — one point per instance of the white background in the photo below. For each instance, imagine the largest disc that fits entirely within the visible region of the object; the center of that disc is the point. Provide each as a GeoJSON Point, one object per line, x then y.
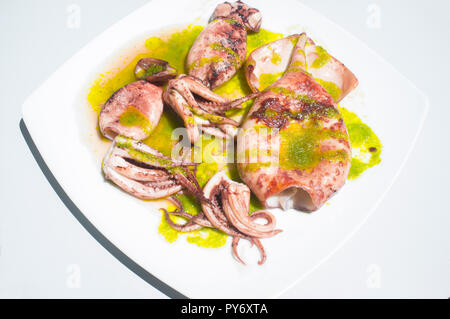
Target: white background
{"type": "Point", "coordinates": [402, 251]}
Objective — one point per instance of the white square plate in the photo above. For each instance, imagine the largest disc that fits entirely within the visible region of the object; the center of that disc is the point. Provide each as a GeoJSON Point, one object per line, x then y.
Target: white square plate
{"type": "Point", "coordinates": [392, 106]}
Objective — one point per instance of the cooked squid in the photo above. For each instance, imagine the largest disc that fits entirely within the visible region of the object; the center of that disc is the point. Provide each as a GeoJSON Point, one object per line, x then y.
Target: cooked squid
{"type": "Point", "coordinates": [226, 207]}
{"type": "Point", "coordinates": [220, 49]}
{"type": "Point", "coordinates": [201, 109]}
{"type": "Point", "coordinates": [154, 70]}
{"type": "Point", "coordinates": [270, 61]}
{"type": "Point", "coordinates": [294, 150]}
{"type": "Point", "coordinates": [146, 173]}
{"type": "Point", "coordinates": [132, 111]}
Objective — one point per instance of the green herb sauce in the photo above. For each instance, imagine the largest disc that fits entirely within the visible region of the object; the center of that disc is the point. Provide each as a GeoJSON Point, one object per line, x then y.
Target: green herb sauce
{"type": "Point", "coordinates": [174, 48]}
{"type": "Point", "coordinates": [331, 88]}
{"type": "Point", "coordinates": [366, 146]}
{"type": "Point", "coordinates": [153, 69]}
{"type": "Point", "coordinates": [133, 117]}
{"type": "Point", "coordinates": [267, 79]}
{"type": "Point", "coordinates": [300, 145]}
{"type": "Point", "coordinates": [322, 58]}
{"type": "Point", "coordinates": [219, 47]}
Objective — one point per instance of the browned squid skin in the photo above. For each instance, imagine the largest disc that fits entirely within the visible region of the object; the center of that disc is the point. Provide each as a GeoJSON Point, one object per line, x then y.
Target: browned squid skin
{"type": "Point", "coordinates": [290, 106]}
{"type": "Point", "coordinates": [249, 17]}
{"type": "Point", "coordinates": [220, 49]}
{"type": "Point", "coordinates": [141, 98]}
{"type": "Point", "coordinates": [200, 108]}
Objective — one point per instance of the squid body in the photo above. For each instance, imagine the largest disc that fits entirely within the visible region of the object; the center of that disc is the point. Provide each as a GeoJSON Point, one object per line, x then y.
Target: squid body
{"type": "Point", "coordinates": [294, 149]}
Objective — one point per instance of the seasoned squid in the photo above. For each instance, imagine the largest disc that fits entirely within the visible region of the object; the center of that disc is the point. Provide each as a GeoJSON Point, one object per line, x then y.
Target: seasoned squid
{"type": "Point", "coordinates": [146, 173]}
{"type": "Point", "coordinates": [154, 70]}
{"type": "Point", "coordinates": [294, 150]}
{"type": "Point", "coordinates": [201, 109]}
{"type": "Point", "coordinates": [270, 61]}
{"type": "Point", "coordinates": [220, 49]}
{"type": "Point", "coordinates": [226, 208]}
{"type": "Point", "coordinates": [132, 111]}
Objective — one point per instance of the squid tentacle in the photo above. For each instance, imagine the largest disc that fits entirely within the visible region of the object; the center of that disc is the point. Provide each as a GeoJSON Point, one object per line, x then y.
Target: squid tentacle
{"type": "Point", "coordinates": [201, 109]}
{"type": "Point", "coordinates": [146, 173]}
{"type": "Point", "coordinates": [187, 227]}
{"type": "Point", "coordinates": [255, 241]}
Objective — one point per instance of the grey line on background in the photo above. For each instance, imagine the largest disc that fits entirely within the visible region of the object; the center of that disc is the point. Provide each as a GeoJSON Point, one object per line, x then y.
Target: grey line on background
{"type": "Point", "coordinates": [110, 247]}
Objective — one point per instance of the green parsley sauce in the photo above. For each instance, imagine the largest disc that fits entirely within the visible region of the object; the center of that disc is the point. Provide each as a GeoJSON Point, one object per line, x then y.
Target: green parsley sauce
{"type": "Point", "coordinates": [300, 151]}
{"type": "Point", "coordinates": [133, 117]}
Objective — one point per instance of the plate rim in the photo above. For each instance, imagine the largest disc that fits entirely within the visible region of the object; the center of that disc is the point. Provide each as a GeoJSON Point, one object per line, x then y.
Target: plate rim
{"type": "Point", "coordinates": [122, 257]}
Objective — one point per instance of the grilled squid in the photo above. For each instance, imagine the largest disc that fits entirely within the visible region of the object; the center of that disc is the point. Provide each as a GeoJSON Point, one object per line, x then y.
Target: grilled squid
{"type": "Point", "coordinates": [201, 109]}
{"type": "Point", "coordinates": [195, 222]}
{"type": "Point", "coordinates": [146, 173]}
{"type": "Point", "coordinates": [132, 111]}
{"type": "Point", "coordinates": [294, 150]}
{"type": "Point", "coordinates": [226, 208]}
{"type": "Point", "coordinates": [154, 70]}
{"type": "Point", "coordinates": [270, 61]}
{"type": "Point", "coordinates": [220, 49]}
